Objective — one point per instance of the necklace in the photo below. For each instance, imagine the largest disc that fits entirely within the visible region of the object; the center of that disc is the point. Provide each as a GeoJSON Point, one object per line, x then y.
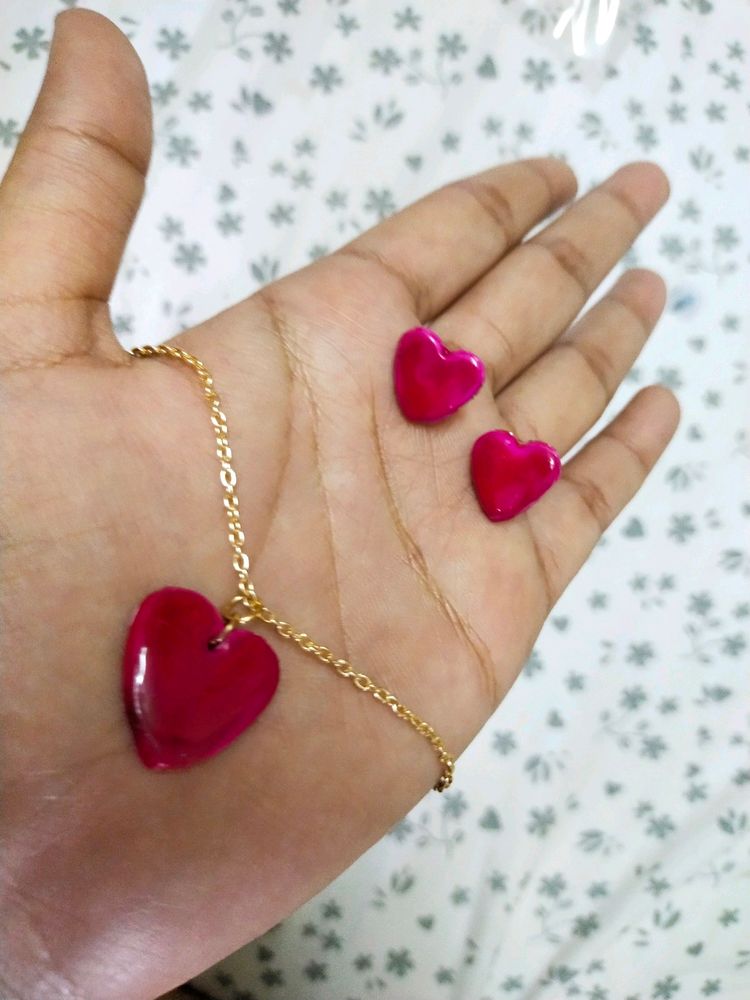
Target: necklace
{"type": "Point", "coordinates": [193, 678]}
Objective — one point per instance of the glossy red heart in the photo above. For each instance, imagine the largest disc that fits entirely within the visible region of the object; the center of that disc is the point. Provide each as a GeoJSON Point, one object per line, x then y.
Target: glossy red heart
{"type": "Point", "coordinates": [509, 475]}
{"type": "Point", "coordinates": [185, 699]}
{"type": "Point", "coordinates": [430, 381]}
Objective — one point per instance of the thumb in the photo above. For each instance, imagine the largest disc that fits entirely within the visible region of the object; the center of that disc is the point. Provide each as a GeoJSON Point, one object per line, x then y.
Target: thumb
{"type": "Point", "coordinates": [74, 185]}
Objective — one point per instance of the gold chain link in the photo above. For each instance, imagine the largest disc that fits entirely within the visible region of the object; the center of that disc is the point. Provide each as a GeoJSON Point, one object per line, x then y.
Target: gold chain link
{"type": "Point", "coordinates": [247, 598]}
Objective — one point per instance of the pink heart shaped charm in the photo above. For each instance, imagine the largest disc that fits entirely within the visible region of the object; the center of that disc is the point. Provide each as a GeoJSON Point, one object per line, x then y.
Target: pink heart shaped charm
{"type": "Point", "coordinates": [184, 698]}
{"type": "Point", "coordinates": [430, 381]}
{"type": "Point", "coordinates": [508, 475]}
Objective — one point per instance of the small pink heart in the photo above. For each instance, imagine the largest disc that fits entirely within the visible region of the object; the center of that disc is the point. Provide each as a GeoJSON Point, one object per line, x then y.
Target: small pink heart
{"type": "Point", "coordinates": [430, 381]}
{"type": "Point", "coordinates": [508, 475]}
{"type": "Point", "coordinates": [186, 699]}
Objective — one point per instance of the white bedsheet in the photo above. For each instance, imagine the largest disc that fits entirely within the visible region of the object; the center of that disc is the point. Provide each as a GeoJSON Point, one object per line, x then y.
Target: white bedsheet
{"type": "Point", "coordinates": [597, 840]}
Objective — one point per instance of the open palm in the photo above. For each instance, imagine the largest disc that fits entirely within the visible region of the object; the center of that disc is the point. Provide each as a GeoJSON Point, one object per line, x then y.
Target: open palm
{"type": "Point", "coordinates": [362, 529]}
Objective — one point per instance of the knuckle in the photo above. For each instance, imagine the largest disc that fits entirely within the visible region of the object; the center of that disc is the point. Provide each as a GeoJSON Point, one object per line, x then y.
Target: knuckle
{"type": "Point", "coordinates": [557, 175]}
{"type": "Point", "coordinates": [625, 204]}
{"type": "Point", "coordinates": [73, 144]}
{"type": "Point", "coordinates": [384, 266]}
{"type": "Point", "coordinates": [500, 346]}
{"type": "Point", "coordinates": [492, 204]}
{"type": "Point", "coordinates": [596, 363]}
{"type": "Point", "coordinates": [631, 454]}
{"type": "Point", "coordinates": [632, 315]}
{"type": "Point", "coordinates": [516, 418]}
{"type": "Point", "coordinates": [594, 500]}
{"type": "Point", "coordinates": [568, 257]}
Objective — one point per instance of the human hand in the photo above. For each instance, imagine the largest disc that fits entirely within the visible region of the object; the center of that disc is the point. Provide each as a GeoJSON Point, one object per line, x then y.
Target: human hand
{"type": "Point", "coordinates": [362, 528]}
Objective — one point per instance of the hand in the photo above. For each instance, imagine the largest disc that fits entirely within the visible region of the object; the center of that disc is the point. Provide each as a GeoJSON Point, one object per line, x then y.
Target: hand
{"type": "Point", "coordinates": [362, 528]}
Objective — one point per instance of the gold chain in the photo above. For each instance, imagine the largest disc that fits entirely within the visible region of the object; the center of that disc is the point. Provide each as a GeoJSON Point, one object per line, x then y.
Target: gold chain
{"type": "Point", "coordinates": [247, 598]}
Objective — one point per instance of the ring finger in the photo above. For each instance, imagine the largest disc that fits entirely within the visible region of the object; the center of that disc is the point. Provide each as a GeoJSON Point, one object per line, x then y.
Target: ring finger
{"type": "Point", "coordinates": [562, 394]}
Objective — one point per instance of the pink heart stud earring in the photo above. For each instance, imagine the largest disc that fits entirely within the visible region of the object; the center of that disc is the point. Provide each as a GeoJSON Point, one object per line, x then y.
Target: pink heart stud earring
{"type": "Point", "coordinates": [509, 476]}
{"type": "Point", "coordinates": [430, 381]}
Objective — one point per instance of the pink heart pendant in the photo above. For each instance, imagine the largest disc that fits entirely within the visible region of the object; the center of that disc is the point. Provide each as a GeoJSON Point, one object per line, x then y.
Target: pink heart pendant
{"type": "Point", "coordinates": [185, 699]}
{"type": "Point", "coordinates": [430, 381]}
{"type": "Point", "coordinates": [509, 476]}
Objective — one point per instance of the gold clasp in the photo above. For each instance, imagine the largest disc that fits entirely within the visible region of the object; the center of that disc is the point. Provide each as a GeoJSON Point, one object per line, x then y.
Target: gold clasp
{"type": "Point", "coordinates": [250, 613]}
{"type": "Point", "coordinates": [232, 619]}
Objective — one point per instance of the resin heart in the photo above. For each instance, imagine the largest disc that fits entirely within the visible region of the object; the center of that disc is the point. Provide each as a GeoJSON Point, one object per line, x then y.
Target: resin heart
{"type": "Point", "coordinates": [430, 381]}
{"type": "Point", "coordinates": [508, 475]}
{"type": "Point", "coordinates": [184, 698]}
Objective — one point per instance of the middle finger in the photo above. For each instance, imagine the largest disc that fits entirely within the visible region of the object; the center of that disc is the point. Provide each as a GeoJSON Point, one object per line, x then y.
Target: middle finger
{"type": "Point", "coordinates": [519, 307]}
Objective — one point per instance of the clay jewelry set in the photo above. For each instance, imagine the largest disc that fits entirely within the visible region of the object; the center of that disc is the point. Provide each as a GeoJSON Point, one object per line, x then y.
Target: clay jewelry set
{"type": "Point", "coordinates": [193, 679]}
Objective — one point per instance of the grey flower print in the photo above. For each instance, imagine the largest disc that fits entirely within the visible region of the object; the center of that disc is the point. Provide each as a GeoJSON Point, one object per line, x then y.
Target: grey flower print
{"type": "Point", "coordinates": [32, 42]}
{"type": "Point", "coordinates": [596, 842]}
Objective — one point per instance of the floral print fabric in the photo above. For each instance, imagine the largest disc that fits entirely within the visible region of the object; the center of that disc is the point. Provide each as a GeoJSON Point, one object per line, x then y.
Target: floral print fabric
{"type": "Point", "coordinates": [596, 843]}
